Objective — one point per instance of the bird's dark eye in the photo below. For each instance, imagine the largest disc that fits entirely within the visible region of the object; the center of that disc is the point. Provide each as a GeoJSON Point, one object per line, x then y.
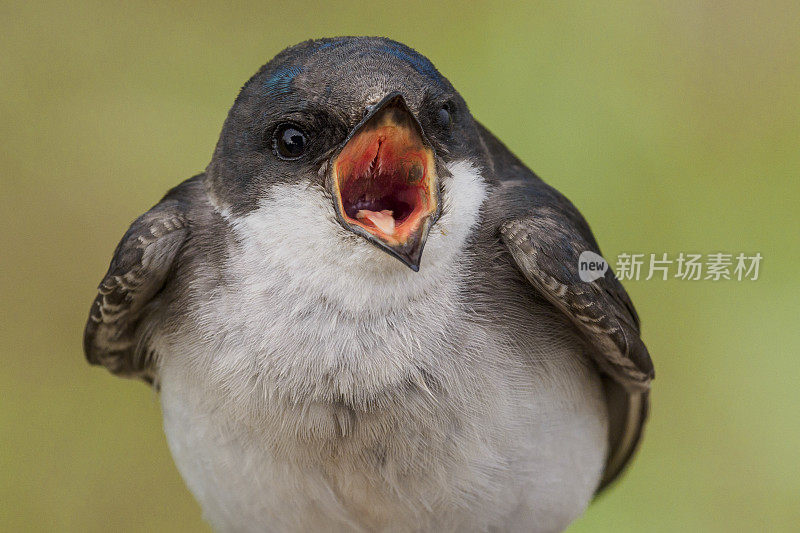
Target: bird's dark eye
{"type": "Point", "coordinates": [289, 141]}
{"type": "Point", "coordinates": [444, 116]}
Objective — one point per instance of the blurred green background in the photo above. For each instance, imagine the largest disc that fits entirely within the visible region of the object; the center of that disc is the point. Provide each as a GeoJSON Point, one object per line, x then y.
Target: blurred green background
{"type": "Point", "coordinates": [673, 126]}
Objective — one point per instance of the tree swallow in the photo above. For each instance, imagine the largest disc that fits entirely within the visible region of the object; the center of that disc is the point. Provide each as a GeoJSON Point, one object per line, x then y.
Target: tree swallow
{"type": "Point", "coordinates": [367, 314]}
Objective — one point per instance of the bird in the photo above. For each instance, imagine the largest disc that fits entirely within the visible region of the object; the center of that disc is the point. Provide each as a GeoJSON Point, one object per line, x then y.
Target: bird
{"type": "Point", "coordinates": [366, 314]}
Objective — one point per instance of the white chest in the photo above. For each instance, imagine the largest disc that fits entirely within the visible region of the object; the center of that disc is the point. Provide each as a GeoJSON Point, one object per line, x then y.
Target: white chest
{"type": "Point", "coordinates": [482, 442]}
{"type": "Point", "coordinates": [329, 388]}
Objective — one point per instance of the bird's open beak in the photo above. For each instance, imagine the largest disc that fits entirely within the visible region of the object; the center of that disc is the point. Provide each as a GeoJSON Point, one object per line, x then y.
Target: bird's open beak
{"type": "Point", "coordinates": [384, 181]}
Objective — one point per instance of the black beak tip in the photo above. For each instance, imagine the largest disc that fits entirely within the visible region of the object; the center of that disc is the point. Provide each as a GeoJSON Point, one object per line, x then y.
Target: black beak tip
{"type": "Point", "coordinates": [410, 259]}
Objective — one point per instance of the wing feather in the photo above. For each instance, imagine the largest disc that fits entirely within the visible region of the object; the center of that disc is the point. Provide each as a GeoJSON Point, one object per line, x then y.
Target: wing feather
{"type": "Point", "coordinates": [141, 265]}
{"type": "Point", "coordinates": [545, 235]}
{"type": "Point", "coordinates": [546, 248]}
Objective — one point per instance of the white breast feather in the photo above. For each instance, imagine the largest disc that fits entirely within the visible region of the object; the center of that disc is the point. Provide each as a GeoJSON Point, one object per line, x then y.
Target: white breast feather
{"type": "Point", "coordinates": [302, 399]}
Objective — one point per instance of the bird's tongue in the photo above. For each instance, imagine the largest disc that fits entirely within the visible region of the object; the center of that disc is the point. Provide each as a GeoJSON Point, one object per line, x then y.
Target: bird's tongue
{"type": "Point", "coordinates": [383, 220]}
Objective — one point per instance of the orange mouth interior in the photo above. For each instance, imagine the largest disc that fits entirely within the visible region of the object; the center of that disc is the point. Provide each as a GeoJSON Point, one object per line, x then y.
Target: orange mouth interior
{"type": "Point", "coordinates": [384, 179]}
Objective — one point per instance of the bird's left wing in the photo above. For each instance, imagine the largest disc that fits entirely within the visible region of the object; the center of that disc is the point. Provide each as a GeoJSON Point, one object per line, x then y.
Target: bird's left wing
{"type": "Point", "coordinates": [545, 236]}
{"type": "Point", "coordinates": [546, 245]}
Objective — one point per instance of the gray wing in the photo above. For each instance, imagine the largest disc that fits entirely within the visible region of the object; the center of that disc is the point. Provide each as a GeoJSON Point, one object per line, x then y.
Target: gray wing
{"type": "Point", "coordinates": [139, 269]}
{"type": "Point", "coordinates": [546, 246]}
{"type": "Point", "coordinates": [545, 235]}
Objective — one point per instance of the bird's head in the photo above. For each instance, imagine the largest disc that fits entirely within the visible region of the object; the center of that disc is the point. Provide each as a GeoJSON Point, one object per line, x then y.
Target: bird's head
{"type": "Point", "coordinates": [367, 121]}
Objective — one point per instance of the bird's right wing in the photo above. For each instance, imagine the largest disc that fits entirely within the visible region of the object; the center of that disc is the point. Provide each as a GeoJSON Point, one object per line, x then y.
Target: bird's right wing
{"type": "Point", "coordinates": [139, 269]}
